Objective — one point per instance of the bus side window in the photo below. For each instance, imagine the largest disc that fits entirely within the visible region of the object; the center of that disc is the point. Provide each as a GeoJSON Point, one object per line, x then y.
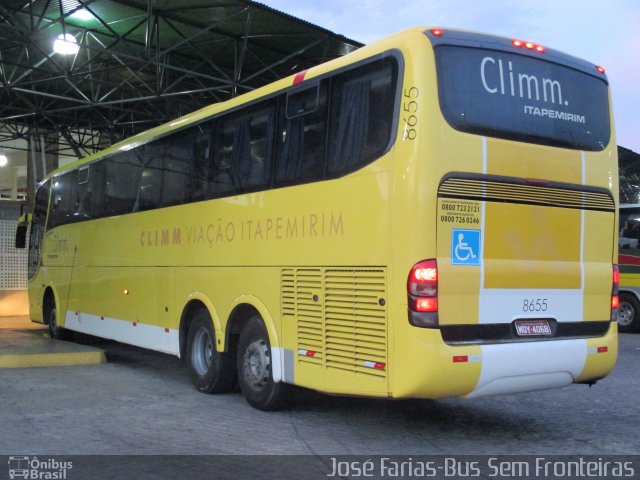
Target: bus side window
{"type": "Point", "coordinates": [362, 105]}
{"type": "Point", "coordinates": [149, 188]}
{"type": "Point", "coordinates": [123, 173]}
{"type": "Point", "coordinates": [243, 151]}
{"type": "Point", "coordinates": [64, 198]}
{"type": "Point", "coordinates": [302, 136]}
{"type": "Point", "coordinates": [253, 168]}
{"type": "Point", "coordinates": [96, 187]}
{"type": "Point", "coordinates": [177, 168]}
{"type": "Point", "coordinates": [220, 182]}
{"type": "Point", "coordinates": [83, 195]}
{"type": "Point", "coordinates": [201, 161]}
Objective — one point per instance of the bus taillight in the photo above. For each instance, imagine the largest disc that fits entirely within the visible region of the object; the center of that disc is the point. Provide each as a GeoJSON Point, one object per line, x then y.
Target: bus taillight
{"type": "Point", "coordinates": [528, 45]}
{"type": "Point", "coordinates": [615, 300]}
{"type": "Point", "coordinates": [422, 292]}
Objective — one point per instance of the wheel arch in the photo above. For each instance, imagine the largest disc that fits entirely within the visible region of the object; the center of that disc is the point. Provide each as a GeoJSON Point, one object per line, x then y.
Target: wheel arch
{"type": "Point", "coordinates": [635, 291]}
{"type": "Point", "coordinates": [195, 302]}
{"type": "Point", "coordinates": [49, 299]}
{"type": "Point", "coordinates": [242, 309]}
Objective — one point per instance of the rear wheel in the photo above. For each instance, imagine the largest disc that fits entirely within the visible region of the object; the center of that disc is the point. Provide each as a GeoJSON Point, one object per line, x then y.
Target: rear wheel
{"type": "Point", "coordinates": [211, 371]}
{"type": "Point", "coordinates": [255, 374]}
{"type": "Point", "coordinates": [628, 313]}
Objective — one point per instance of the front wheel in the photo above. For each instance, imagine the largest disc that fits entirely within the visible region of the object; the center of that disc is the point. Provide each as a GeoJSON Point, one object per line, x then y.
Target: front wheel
{"type": "Point", "coordinates": [55, 331]}
{"type": "Point", "coordinates": [255, 364]}
{"type": "Point", "coordinates": [211, 371]}
{"type": "Point", "coordinates": [628, 313]}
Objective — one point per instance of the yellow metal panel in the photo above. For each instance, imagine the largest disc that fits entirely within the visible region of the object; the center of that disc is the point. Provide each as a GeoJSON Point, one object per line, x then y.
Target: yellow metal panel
{"type": "Point", "coordinates": [599, 363]}
{"type": "Point", "coordinates": [523, 160]}
{"type": "Point", "coordinates": [423, 365]}
{"type": "Point", "coordinates": [598, 244]}
{"type": "Point", "coordinates": [531, 247]}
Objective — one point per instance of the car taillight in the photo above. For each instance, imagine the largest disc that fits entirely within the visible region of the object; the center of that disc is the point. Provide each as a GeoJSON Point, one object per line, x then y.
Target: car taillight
{"type": "Point", "coordinates": [615, 300]}
{"type": "Point", "coordinates": [422, 293]}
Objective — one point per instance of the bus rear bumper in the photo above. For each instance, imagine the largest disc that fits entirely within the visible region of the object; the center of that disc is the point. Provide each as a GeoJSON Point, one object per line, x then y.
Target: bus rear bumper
{"type": "Point", "coordinates": [473, 371]}
{"type": "Point", "coordinates": [525, 367]}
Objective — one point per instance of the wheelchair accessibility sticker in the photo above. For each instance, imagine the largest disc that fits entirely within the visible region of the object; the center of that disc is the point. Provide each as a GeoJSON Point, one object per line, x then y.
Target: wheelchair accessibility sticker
{"type": "Point", "coordinates": [465, 247]}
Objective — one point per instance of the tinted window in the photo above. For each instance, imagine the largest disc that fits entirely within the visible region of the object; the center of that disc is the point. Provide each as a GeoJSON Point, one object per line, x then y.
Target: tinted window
{"type": "Point", "coordinates": [94, 197]}
{"type": "Point", "coordinates": [65, 198]}
{"type": "Point", "coordinates": [236, 152]}
{"type": "Point", "coordinates": [302, 135]}
{"type": "Point", "coordinates": [361, 119]}
{"type": "Point", "coordinates": [123, 191]}
{"type": "Point", "coordinates": [243, 151]}
{"type": "Point", "coordinates": [522, 98]}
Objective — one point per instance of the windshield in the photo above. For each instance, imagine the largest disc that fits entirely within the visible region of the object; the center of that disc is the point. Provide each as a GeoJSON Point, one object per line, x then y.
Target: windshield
{"type": "Point", "coordinates": [522, 98]}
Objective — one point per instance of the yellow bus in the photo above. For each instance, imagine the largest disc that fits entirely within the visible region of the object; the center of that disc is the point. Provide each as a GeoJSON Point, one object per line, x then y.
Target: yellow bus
{"type": "Point", "coordinates": [433, 215]}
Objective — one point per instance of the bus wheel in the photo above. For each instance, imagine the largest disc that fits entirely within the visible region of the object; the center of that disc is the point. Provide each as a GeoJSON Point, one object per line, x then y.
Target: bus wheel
{"type": "Point", "coordinates": [56, 331]}
{"type": "Point", "coordinates": [628, 313]}
{"type": "Point", "coordinates": [255, 374]}
{"type": "Point", "coordinates": [211, 371]}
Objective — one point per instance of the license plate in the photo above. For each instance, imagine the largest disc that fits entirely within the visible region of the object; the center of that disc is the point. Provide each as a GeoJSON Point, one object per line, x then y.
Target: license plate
{"type": "Point", "coordinates": [533, 328]}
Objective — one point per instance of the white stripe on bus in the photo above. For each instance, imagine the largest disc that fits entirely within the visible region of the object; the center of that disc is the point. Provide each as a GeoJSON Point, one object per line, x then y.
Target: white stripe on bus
{"type": "Point", "coordinates": [152, 337]}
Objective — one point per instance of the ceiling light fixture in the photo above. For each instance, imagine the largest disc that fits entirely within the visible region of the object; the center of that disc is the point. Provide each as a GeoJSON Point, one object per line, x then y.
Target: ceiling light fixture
{"type": "Point", "coordinates": [3, 160]}
{"type": "Point", "coordinates": [66, 44]}
{"type": "Point", "coordinates": [83, 15]}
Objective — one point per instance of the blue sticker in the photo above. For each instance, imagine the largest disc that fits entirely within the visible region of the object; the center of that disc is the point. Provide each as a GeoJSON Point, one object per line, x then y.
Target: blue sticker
{"type": "Point", "coordinates": [465, 247]}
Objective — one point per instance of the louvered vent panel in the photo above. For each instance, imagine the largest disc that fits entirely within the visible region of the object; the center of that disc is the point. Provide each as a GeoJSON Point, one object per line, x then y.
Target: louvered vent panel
{"type": "Point", "coordinates": [355, 320]}
{"type": "Point", "coordinates": [288, 293]}
{"type": "Point", "coordinates": [504, 191]}
{"type": "Point", "coordinates": [299, 286]}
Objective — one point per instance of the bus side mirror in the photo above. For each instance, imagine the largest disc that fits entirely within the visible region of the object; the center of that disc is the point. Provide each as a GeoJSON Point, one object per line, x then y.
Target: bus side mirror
{"type": "Point", "coordinates": [21, 231]}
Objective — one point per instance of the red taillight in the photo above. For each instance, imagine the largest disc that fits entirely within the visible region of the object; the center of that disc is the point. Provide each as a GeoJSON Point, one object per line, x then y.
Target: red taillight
{"type": "Point", "coordinates": [423, 279]}
{"type": "Point", "coordinates": [437, 32]}
{"type": "Point", "coordinates": [615, 299]}
{"type": "Point", "coordinates": [422, 290]}
{"type": "Point", "coordinates": [615, 302]}
{"type": "Point", "coordinates": [429, 304]}
{"type": "Point", "coordinates": [600, 69]}
{"type": "Point", "coordinates": [528, 45]}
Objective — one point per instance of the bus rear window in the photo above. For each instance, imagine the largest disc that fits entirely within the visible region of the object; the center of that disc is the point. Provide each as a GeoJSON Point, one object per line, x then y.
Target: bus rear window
{"type": "Point", "coordinates": [521, 98]}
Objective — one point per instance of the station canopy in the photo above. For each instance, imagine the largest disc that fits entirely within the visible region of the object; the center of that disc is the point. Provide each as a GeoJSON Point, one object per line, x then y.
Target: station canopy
{"type": "Point", "coordinates": [139, 63]}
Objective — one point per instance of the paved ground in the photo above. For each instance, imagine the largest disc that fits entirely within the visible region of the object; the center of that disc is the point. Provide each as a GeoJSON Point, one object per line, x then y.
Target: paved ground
{"type": "Point", "coordinates": [142, 402]}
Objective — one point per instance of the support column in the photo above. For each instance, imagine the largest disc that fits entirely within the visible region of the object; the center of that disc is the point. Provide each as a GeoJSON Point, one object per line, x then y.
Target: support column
{"type": "Point", "coordinates": [14, 184]}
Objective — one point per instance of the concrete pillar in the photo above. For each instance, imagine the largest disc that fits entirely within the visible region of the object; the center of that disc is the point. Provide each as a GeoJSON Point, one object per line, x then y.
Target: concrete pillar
{"type": "Point", "coordinates": [14, 185]}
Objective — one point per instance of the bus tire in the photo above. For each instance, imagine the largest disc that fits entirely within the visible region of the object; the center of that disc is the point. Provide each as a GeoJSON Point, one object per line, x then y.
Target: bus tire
{"type": "Point", "coordinates": [55, 331]}
{"type": "Point", "coordinates": [211, 371]}
{"type": "Point", "coordinates": [255, 374]}
{"type": "Point", "coordinates": [628, 313]}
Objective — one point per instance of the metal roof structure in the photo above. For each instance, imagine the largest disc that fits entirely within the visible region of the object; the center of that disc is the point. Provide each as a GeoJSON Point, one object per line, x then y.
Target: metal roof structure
{"type": "Point", "coordinates": [140, 63]}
